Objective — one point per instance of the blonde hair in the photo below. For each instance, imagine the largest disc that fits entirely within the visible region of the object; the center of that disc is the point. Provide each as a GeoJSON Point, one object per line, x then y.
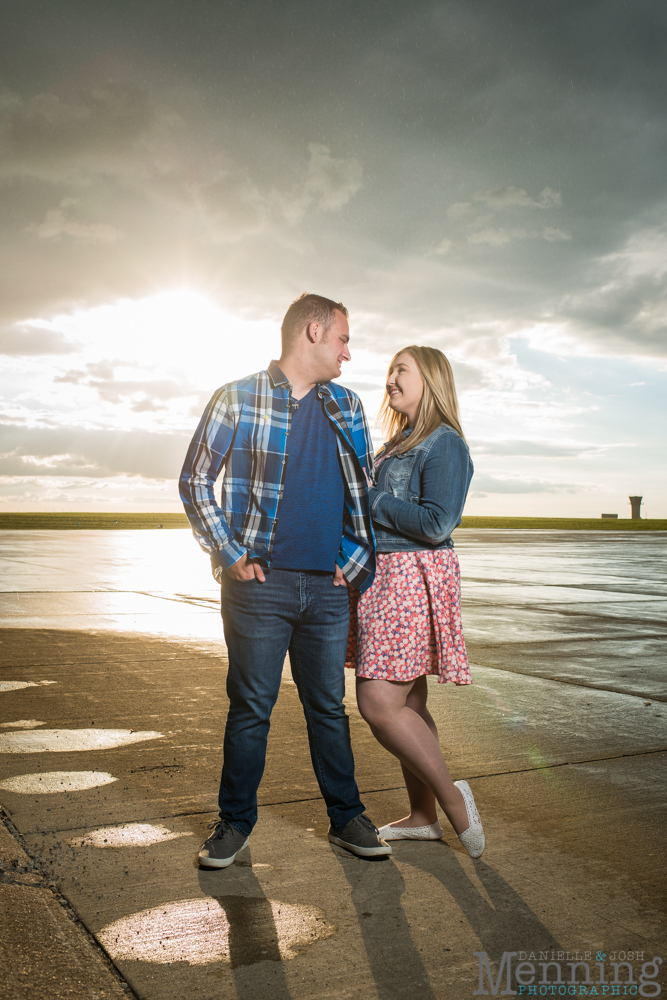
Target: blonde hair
{"type": "Point", "coordinates": [438, 406]}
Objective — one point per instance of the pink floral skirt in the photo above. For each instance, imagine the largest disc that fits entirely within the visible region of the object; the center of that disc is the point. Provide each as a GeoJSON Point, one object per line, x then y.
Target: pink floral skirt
{"type": "Point", "coordinates": [409, 622]}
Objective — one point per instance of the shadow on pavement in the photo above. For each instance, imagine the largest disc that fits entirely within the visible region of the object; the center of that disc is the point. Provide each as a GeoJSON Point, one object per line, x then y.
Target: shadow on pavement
{"type": "Point", "coordinates": [253, 934]}
{"type": "Point", "coordinates": [394, 959]}
{"type": "Point", "coordinates": [507, 923]}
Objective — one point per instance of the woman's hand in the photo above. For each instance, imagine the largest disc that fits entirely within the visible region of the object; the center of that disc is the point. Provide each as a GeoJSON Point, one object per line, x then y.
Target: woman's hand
{"type": "Point", "coordinates": [368, 482]}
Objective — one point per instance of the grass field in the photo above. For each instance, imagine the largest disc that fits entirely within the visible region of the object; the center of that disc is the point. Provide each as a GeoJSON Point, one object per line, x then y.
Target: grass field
{"type": "Point", "coordinates": [21, 522]}
{"type": "Point", "coordinates": [69, 521]}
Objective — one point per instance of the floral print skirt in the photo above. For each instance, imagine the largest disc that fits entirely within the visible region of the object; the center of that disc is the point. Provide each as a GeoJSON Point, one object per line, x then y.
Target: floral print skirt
{"type": "Point", "coordinates": [409, 622]}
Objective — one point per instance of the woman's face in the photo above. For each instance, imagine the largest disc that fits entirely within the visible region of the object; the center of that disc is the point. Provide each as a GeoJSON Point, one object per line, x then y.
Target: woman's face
{"type": "Point", "coordinates": [405, 387]}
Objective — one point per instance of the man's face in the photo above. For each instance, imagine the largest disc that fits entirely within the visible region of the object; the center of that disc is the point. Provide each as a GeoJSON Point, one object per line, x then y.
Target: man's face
{"type": "Point", "coordinates": [332, 349]}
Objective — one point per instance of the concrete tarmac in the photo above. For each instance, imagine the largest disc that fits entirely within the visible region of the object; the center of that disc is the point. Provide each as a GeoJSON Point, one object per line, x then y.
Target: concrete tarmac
{"type": "Point", "coordinates": [112, 709]}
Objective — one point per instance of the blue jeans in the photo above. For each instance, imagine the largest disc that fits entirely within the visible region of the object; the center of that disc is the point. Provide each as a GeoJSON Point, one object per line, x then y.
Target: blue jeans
{"type": "Point", "coordinates": [305, 614]}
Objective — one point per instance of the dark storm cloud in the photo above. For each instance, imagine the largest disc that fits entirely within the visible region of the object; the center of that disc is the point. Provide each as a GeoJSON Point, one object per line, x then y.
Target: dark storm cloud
{"type": "Point", "coordinates": [51, 138]}
{"type": "Point", "coordinates": [175, 127]}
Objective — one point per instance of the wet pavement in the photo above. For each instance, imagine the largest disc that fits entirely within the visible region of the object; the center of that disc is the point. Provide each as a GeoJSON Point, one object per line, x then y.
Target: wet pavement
{"type": "Point", "coordinates": [111, 715]}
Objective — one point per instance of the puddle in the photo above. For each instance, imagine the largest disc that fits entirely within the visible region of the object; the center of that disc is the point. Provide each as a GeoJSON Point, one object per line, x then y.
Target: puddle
{"type": "Point", "coordinates": [68, 740]}
{"type": "Point", "coordinates": [17, 685]}
{"type": "Point", "coordinates": [56, 781]}
{"type": "Point", "coordinates": [238, 930]}
{"type": "Point", "coordinates": [22, 724]}
{"type": "Point", "coordinates": [127, 835]}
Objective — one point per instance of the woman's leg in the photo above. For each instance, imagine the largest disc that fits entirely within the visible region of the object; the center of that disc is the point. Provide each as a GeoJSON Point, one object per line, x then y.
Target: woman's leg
{"type": "Point", "coordinates": [403, 725]}
{"type": "Point", "coordinates": [422, 800]}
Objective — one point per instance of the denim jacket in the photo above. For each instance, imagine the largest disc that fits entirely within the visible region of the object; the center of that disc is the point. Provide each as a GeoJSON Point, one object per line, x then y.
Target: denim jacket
{"type": "Point", "coordinates": [420, 494]}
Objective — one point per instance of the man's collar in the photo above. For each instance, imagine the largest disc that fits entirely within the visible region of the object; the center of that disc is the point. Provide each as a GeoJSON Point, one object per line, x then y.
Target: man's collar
{"type": "Point", "coordinates": [277, 376]}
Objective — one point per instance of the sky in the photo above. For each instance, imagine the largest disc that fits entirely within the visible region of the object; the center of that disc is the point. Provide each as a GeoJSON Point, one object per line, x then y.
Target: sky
{"type": "Point", "coordinates": [483, 176]}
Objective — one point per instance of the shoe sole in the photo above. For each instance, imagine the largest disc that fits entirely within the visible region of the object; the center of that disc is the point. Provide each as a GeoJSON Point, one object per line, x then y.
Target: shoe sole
{"type": "Point", "coordinates": [207, 862]}
{"type": "Point", "coordinates": [362, 852]}
{"type": "Point", "coordinates": [410, 836]}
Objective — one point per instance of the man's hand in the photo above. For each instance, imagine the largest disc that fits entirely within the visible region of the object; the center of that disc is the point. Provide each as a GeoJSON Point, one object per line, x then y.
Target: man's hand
{"type": "Point", "coordinates": [246, 569]}
{"type": "Point", "coordinates": [339, 580]}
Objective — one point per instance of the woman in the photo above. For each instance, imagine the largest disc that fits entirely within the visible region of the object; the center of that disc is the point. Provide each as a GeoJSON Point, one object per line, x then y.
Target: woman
{"type": "Point", "coordinates": [408, 625]}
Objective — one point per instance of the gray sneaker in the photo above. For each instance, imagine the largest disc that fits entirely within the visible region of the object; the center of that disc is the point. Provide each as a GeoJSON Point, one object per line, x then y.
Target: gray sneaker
{"type": "Point", "coordinates": [360, 837]}
{"type": "Point", "coordinates": [222, 846]}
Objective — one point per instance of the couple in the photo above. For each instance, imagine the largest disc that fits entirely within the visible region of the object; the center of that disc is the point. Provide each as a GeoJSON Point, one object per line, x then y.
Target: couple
{"type": "Point", "coordinates": [294, 542]}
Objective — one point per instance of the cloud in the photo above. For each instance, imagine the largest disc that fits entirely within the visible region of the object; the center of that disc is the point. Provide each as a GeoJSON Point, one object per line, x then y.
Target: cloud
{"type": "Point", "coordinates": [497, 237]}
{"type": "Point", "coordinates": [500, 237]}
{"type": "Point", "coordinates": [458, 209]}
{"type": "Point", "coordinates": [541, 449]}
{"type": "Point", "coordinates": [330, 183]}
{"type": "Point", "coordinates": [51, 138]}
{"type": "Point", "coordinates": [491, 484]}
{"type": "Point", "coordinates": [481, 229]}
{"type": "Point", "coordinates": [26, 341]}
{"type": "Point", "coordinates": [503, 198]}
{"type": "Point", "coordinates": [552, 235]}
{"type": "Point", "coordinates": [232, 206]}
{"type": "Point", "coordinates": [147, 394]}
{"type": "Point", "coordinates": [624, 309]}
{"type": "Point", "coordinates": [76, 451]}
{"type": "Point", "coordinates": [57, 224]}
{"type": "Point", "coordinates": [444, 246]}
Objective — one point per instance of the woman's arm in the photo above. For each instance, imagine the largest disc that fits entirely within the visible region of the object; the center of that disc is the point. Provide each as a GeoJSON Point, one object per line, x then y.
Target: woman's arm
{"type": "Point", "coordinates": [444, 486]}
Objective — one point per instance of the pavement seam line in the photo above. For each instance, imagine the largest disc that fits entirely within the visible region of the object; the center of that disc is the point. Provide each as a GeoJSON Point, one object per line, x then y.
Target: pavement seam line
{"type": "Point", "coordinates": [660, 698]}
{"type": "Point", "coordinates": [38, 867]}
{"type": "Point", "coordinates": [376, 791]}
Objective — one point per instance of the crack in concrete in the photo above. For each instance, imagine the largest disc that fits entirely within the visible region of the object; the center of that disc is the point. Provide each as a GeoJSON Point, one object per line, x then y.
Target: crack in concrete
{"type": "Point", "coordinates": [37, 867]}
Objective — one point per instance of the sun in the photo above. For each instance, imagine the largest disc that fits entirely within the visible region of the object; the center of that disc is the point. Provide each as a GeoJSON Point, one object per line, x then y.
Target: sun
{"type": "Point", "coordinates": [179, 331]}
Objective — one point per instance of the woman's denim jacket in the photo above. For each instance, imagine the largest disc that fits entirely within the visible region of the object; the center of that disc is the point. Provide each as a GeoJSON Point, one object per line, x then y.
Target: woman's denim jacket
{"type": "Point", "coordinates": [420, 494]}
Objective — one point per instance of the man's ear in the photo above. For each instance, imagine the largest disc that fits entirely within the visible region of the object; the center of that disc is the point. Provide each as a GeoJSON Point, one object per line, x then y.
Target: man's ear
{"type": "Point", "coordinates": [312, 331]}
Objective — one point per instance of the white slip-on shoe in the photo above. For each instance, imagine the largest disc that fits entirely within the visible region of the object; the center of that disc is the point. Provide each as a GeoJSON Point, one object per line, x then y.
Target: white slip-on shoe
{"type": "Point", "coordinates": [472, 838]}
{"type": "Point", "coordinates": [432, 832]}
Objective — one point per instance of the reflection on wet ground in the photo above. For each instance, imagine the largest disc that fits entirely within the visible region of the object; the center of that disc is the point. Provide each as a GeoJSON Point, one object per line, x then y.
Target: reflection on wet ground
{"type": "Point", "coordinates": [112, 649]}
{"type": "Point", "coordinates": [579, 607]}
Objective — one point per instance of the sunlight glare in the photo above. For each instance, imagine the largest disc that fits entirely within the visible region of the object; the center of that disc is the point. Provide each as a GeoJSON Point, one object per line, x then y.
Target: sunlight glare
{"type": "Point", "coordinates": [181, 331]}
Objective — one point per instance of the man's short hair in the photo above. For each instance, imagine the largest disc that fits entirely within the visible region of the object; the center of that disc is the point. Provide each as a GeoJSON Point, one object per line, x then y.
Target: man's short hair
{"type": "Point", "coordinates": [308, 308]}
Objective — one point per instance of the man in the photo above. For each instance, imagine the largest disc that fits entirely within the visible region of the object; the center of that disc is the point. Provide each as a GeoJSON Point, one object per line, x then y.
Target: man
{"type": "Point", "coordinates": [293, 530]}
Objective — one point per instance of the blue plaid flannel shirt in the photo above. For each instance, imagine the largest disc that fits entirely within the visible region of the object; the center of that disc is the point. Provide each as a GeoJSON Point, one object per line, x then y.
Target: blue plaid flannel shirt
{"type": "Point", "coordinates": [245, 429]}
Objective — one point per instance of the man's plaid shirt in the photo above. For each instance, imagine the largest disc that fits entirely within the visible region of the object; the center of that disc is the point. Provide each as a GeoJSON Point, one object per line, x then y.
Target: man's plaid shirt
{"type": "Point", "coordinates": [245, 428]}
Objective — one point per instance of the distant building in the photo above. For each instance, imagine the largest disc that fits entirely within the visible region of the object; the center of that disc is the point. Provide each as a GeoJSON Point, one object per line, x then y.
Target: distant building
{"type": "Point", "coordinates": [635, 504]}
{"type": "Point", "coordinates": [608, 516]}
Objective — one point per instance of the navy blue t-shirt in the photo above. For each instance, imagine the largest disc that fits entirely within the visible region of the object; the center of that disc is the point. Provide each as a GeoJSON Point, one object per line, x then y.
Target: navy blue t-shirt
{"type": "Point", "coordinates": [310, 512]}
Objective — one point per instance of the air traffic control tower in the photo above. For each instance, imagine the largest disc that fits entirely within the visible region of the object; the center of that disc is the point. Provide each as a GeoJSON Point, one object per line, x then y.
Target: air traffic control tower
{"type": "Point", "coordinates": [635, 504]}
